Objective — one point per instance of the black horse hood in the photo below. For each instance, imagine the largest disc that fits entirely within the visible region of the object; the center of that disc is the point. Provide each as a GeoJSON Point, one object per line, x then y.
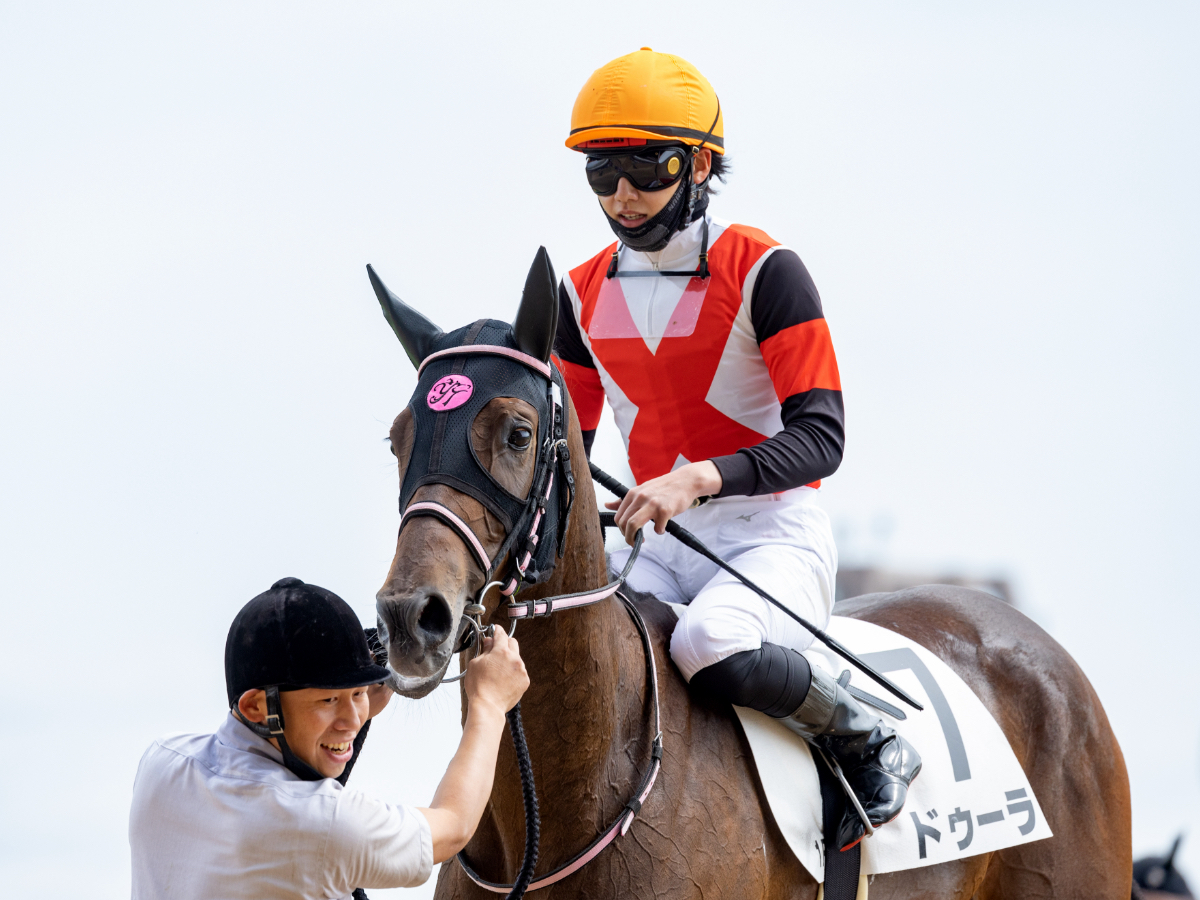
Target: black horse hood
{"type": "Point", "coordinates": [451, 391]}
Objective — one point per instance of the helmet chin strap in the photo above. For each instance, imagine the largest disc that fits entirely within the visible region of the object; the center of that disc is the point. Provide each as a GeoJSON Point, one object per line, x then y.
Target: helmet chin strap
{"type": "Point", "coordinates": [273, 728]}
{"type": "Point", "coordinates": [656, 233]}
{"type": "Point", "coordinates": [697, 196]}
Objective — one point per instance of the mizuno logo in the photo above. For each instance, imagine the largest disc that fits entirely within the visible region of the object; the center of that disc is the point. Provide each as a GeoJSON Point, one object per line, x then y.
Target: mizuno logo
{"type": "Point", "coordinates": [749, 516]}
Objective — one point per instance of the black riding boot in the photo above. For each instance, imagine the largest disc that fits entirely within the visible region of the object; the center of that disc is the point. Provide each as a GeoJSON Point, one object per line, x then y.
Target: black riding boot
{"type": "Point", "coordinates": [878, 763]}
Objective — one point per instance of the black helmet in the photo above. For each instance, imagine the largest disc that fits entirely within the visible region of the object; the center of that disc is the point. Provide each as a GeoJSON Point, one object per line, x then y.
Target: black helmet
{"type": "Point", "coordinates": [295, 636]}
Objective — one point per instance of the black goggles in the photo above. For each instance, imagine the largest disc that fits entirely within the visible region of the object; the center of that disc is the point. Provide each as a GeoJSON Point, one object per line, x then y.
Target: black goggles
{"type": "Point", "coordinates": [651, 170]}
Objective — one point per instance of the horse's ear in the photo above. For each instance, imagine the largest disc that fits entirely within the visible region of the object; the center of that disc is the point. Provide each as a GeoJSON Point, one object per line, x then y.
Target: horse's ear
{"type": "Point", "coordinates": [417, 334]}
{"type": "Point", "coordinates": [537, 317]}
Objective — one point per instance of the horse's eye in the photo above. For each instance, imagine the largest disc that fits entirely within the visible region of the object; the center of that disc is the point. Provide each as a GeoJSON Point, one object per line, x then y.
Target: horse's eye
{"type": "Point", "coordinates": [392, 449]}
{"type": "Point", "coordinates": [520, 437]}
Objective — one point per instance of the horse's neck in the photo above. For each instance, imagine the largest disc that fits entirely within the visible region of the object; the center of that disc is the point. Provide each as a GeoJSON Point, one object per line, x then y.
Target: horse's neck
{"type": "Point", "coordinates": [584, 710]}
{"type": "Point", "coordinates": [575, 656]}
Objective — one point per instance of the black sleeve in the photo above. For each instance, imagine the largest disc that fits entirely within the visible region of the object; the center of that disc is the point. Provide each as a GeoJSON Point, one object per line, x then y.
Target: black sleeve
{"type": "Point", "coordinates": [813, 438]}
{"type": "Point", "coordinates": [568, 345]}
{"type": "Point", "coordinates": [809, 448]}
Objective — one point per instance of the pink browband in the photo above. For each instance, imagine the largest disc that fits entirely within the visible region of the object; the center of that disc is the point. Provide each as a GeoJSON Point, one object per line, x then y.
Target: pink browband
{"type": "Point", "coordinates": [490, 350]}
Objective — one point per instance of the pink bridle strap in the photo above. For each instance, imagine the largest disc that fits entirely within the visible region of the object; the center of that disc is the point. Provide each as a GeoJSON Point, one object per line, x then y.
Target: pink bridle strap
{"type": "Point", "coordinates": [528, 609]}
{"type": "Point", "coordinates": [490, 350]}
{"type": "Point", "coordinates": [429, 508]}
{"type": "Point", "coordinates": [630, 810]}
{"type": "Point", "coordinates": [590, 853]}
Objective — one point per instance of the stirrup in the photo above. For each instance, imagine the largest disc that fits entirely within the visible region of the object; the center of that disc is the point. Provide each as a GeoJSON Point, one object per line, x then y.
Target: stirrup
{"type": "Point", "coordinates": [854, 801]}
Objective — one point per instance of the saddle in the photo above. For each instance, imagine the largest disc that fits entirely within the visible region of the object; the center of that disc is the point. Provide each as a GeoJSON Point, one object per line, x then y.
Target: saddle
{"type": "Point", "coordinates": [972, 796]}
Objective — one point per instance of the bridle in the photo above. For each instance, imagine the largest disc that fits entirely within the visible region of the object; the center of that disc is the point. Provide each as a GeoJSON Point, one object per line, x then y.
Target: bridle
{"type": "Point", "coordinates": [532, 553]}
{"type": "Point", "coordinates": [525, 539]}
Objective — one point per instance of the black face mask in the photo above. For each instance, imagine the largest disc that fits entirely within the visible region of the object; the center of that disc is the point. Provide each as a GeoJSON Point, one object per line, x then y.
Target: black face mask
{"type": "Point", "coordinates": [655, 232]}
{"type": "Point", "coordinates": [686, 205]}
{"type": "Point", "coordinates": [458, 374]}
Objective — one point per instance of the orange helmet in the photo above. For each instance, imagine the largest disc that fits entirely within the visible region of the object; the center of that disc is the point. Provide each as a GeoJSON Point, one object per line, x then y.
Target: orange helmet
{"type": "Point", "coordinates": [647, 96]}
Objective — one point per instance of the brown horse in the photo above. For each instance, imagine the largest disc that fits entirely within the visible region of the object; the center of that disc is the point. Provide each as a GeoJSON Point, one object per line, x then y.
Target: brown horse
{"type": "Point", "coordinates": [706, 830]}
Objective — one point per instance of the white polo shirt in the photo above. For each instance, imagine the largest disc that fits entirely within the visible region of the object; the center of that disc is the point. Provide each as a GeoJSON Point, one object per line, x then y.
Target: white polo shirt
{"type": "Point", "coordinates": [219, 817]}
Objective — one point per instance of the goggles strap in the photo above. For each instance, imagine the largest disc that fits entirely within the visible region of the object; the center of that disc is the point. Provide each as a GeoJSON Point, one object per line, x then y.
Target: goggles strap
{"type": "Point", "coordinates": [711, 129]}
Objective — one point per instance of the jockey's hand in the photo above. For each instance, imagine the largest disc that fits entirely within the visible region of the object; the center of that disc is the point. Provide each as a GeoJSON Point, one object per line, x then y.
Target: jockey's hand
{"type": "Point", "coordinates": [661, 499]}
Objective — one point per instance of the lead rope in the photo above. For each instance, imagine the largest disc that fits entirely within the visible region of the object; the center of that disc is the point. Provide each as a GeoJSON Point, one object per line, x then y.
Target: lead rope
{"type": "Point", "coordinates": [533, 822]}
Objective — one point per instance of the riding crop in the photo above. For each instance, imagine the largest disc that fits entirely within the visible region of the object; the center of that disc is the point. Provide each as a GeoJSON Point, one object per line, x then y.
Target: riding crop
{"type": "Point", "coordinates": [692, 542]}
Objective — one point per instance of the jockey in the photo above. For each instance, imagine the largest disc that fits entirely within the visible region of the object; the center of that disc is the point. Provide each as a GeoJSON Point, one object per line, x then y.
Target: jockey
{"type": "Point", "coordinates": [260, 809]}
{"type": "Point", "coordinates": [710, 344]}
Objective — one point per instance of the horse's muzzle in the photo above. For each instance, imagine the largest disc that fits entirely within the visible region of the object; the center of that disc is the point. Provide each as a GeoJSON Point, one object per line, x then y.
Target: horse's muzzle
{"type": "Point", "coordinates": [419, 634]}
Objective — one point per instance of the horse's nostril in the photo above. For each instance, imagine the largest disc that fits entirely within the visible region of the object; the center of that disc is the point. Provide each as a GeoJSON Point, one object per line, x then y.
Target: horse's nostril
{"type": "Point", "coordinates": [391, 624]}
{"type": "Point", "coordinates": [434, 620]}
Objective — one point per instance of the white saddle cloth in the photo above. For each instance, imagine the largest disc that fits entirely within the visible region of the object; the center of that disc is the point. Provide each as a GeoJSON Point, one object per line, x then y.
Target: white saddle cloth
{"type": "Point", "coordinates": [971, 796]}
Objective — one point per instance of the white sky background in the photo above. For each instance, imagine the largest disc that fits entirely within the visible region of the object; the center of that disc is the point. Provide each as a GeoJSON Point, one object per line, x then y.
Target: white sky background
{"type": "Point", "coordinates": [999, 207]}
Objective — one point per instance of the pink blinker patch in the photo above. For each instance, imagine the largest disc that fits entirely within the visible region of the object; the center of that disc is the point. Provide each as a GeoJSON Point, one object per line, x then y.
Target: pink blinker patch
{"type": "Point", "coordinates": [450, 392]}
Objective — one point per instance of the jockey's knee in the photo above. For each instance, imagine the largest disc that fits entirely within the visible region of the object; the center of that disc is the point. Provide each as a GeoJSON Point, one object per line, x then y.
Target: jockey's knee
{"type": "Point", "coordinates": [771, 679]}
{"type": "Point", "coordinates": [697, 642]}
{"type": "Point", "coordinates": [704, 636]}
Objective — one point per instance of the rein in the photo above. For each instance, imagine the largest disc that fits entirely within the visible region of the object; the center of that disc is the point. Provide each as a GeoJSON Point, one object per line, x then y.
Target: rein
{"type": "Point", "coordinates": [629, 811]}
{"type": "Point", "coordinates": [539, 609]}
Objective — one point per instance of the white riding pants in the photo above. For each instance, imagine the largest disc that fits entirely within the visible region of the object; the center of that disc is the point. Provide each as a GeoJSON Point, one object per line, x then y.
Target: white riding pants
{"type": "Point", "coordinates": [782, 542]}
